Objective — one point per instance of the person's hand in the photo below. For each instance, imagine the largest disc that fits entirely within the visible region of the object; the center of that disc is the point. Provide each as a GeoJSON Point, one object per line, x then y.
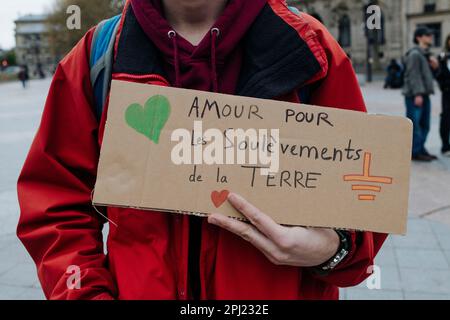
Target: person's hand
{"type": "Point", "coordinates": [418, 101]}
{"type": "Point", "coordinates": [292, 246]}
{"type": "Point", "coordinates": [434, 63]}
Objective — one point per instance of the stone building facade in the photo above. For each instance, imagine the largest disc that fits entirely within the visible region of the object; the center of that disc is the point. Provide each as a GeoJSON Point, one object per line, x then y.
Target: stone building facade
{"type": "Point", "coordinates": [32, 47]}
{"type": "Point", "coordinates": [346, 21]}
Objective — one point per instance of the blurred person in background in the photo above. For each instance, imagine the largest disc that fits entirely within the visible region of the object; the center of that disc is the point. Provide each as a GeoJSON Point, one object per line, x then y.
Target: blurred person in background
{"type": "Point", "coordinates": [23, 76]}
{"type": "Point", "coordinates": [443, 78]}
{"type": "Point", "coordinates": [39, 71]}
{"type": "Point", "coordinates": [417, 88]}
{"type": "Point", "coordinates": [394, 78]}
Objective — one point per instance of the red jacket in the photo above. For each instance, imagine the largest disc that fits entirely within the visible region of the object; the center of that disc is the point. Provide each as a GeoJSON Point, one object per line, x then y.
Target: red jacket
{"type": "Point", "coordinates": [148, 251]}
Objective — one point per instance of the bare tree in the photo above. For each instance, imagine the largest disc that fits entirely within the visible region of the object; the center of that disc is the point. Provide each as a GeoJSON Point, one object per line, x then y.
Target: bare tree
{"type": "Point", "coordinates": [61, 38]}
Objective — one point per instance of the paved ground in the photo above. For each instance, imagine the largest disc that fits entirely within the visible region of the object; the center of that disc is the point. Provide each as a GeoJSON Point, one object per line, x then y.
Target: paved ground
{"type": "Point", "coordinates": [413, 267]}
{"type": "Point", "coordinates": [20, 112]}
{"type": "Point", "coordinates": [416, 266]}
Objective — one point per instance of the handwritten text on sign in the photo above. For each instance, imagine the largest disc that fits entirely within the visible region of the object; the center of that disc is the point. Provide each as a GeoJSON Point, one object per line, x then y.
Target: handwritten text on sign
{"type": "Point", "coordinates": [183, 150]}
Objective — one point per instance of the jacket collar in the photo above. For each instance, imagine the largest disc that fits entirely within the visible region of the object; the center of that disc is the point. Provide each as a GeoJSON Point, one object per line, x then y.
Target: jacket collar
{"type": "Point", "coordinates": [276, 59]}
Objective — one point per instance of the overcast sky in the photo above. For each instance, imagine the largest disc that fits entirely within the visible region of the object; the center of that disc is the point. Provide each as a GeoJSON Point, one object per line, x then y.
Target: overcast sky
{"type": "Point", "coordinates": [10, 10]}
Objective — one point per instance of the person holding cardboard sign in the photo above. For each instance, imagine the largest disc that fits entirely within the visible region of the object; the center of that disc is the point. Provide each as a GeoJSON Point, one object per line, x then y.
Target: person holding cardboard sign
{"type": "Point", "coordinates": [258, 48]}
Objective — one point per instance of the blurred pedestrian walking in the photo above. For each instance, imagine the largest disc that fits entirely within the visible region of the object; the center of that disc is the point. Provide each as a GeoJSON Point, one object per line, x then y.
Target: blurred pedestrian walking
{"type": "Point", "coordinates": [418, 86]}
{"type": "Point", "coordinates": [40, 71]}
{"type": "Point", "coordinates": [23, 76]}
{"type": "Point", "coordinates": [394, 78]}
{"type": "Point", "coordinates": [443, 78]}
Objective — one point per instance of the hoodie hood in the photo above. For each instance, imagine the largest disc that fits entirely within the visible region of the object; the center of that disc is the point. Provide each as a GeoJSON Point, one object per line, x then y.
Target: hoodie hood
{"type": "Point", "coordinates": [212, 65]}
{"type": "Point", "coordinates": [278, 52]}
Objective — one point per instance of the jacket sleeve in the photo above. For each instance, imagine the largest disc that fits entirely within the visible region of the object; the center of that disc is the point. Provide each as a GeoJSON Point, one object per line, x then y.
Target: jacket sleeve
{"type": "Point", "coordinates": [58, 225]}
{"type": "Point", "coordinates": [414, 78]}
{"type": "Point", "coordinates": [340, 89]}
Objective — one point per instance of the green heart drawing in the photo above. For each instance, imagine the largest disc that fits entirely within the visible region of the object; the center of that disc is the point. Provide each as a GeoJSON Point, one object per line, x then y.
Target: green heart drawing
{"type": "Point", "coordinates": [150, 119]}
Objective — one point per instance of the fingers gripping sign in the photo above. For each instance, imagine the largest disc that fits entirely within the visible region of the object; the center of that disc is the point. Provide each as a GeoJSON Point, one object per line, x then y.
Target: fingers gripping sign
{"type": "Point", "coordinates": [293, 246]}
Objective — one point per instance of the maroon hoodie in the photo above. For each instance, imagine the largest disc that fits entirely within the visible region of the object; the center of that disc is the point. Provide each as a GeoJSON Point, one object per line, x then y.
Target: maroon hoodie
{"type": "Point", "coordinates": [215, 63]}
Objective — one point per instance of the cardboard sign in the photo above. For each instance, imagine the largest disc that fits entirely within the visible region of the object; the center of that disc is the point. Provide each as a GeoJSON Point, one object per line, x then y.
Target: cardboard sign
{"type": "Point", "coordinates": [183, 151]}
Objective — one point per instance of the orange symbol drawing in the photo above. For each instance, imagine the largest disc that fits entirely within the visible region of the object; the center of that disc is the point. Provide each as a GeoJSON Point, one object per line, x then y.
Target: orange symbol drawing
{"type": "Point", "coordinates": [367, 178]}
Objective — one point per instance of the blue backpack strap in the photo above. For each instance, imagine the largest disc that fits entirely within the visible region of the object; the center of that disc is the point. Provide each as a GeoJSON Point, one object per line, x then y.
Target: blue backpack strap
{"type": "Point", "coordinates": [294, 10]}
{"type": "Point", "coordinates": [101, 60]}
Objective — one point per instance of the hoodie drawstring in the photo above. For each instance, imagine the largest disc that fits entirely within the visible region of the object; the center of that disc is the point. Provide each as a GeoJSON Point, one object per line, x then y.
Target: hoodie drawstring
{"type": "Point", "coordinates": [215, 32]}
{"type": "Point", "coordinates": [173, 35]}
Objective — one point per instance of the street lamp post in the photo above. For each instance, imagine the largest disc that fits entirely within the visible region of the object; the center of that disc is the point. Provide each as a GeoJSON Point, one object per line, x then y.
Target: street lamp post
{"type": "Point", "coordinates": [369, 62]}
{"type": "Point", "coordinates": [370, 38]}
{"type": "Point", "coordinates": [35, 51]}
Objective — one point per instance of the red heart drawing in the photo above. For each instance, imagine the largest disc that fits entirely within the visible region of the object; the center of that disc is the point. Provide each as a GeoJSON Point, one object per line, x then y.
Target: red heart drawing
{"type": "Point", "coordinates": [218, 198]}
